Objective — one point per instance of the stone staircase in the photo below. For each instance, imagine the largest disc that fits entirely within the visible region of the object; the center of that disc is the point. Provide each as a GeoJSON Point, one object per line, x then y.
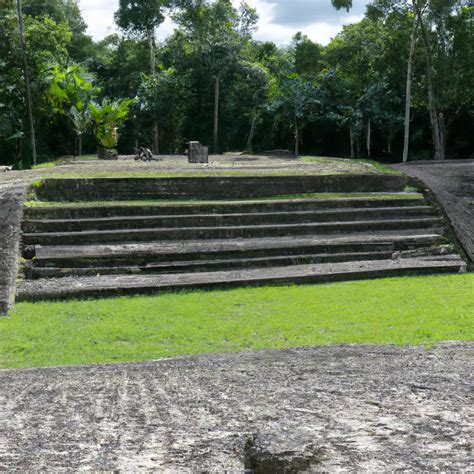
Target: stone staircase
{"type": "Point", "coordinates": [107, 249]}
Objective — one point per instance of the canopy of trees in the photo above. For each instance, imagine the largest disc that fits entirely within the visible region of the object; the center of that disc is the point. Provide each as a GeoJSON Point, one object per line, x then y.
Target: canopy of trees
{"type": "Point", "coordinates": [406, 70]}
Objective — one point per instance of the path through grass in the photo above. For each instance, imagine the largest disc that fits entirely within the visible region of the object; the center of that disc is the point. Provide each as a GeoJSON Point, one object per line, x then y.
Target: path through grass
{"type": "Point", "coordinates": [412, 310]}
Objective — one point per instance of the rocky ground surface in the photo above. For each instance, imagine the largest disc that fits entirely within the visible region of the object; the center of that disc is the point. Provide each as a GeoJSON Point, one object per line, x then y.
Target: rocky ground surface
{"type": "Point", "coordinates": [349, 408]}
{"type": "Point", "coordinates": [453, 184]}
{"type": "Point", "coordinates": [11, 202]}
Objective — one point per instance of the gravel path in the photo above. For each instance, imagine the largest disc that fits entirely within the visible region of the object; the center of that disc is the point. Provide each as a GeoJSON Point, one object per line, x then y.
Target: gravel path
{"type": "Point", "coordinates": [351, 408]}
{"type": "Point", "coordinates": [453, 184]}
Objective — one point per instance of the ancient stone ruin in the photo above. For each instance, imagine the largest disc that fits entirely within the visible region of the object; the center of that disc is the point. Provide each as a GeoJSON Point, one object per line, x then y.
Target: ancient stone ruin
{"type": "Point", "coordinates": [197, 153]}
{"type": "Point", "coordinates": [225, 235]}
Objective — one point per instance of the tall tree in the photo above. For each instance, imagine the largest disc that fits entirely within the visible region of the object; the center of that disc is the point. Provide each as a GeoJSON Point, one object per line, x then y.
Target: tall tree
{"type": "Point", "coordinates": [217, 34]}
{"type": "Point", "coordinates": [447, 43]}
{"type": "Point", "coordinates": [296, 105]}
{"type": "Point", "coordinates": [411, 56]}
{"type": "Point", "coordinates": [307, 55]}
{"type": "Point", "coordinates": [143, 18]}
{"type": "Point", "coordinates": [26, 73]}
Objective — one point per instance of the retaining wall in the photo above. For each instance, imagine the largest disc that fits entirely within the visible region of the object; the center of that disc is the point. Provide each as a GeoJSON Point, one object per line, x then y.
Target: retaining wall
{"type": "Point", "coordinates": [99, 189]}
{"type": "Point", "coordinates": [11, 202]}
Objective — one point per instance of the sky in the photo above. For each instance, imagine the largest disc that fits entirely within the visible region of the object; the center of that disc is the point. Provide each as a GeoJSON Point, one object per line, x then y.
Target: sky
{"type": "Point", "coordinates": [279, 19]}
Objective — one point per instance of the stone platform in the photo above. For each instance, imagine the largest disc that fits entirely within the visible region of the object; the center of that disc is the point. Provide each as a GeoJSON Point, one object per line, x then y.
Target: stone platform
{"type": "Point", "coordinates": [234, 221]}
{"type": "Point", "coordinates": [330, 409]}
{"type": "Point", "coordinates": [217, 238]}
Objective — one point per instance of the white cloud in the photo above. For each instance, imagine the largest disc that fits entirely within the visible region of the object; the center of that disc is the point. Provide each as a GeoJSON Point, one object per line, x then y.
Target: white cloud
{"type": "Point", "coordinates": [281, 33]}
{"type": "Point", "coordinates": [99, 16]}
{"type": "Point", "coordinates": [274, 22]}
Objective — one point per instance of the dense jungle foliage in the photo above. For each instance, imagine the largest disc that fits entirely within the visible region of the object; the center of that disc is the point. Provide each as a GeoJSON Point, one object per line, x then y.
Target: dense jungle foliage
{"type": "Point", "coordinates": [211, 81]}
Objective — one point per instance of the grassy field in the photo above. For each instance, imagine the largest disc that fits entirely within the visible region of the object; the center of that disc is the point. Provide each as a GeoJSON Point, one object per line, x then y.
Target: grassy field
{"type": "Point", "coordinates": [412, 310]}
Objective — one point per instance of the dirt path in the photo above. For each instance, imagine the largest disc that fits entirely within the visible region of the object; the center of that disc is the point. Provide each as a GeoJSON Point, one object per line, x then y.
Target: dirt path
{"type": "Point", "coordinates": [453, 184]}
{"type": "Point", "coordinates": [356, 408]}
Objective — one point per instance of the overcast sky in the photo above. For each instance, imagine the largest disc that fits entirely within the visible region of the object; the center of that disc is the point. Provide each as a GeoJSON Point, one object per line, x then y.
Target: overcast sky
{"type": "Point", "coordinates": [279, 19]}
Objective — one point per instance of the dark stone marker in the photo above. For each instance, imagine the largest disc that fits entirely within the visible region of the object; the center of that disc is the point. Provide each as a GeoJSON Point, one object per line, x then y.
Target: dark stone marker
{"type": "Point", "coordinates": [197, 153]}
{"type": "Point", "coordinates": [107, 153]}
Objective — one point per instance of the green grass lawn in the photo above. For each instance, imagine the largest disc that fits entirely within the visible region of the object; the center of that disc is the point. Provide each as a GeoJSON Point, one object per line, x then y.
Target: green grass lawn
{"type": "Point", "coordinates": [412, 310]}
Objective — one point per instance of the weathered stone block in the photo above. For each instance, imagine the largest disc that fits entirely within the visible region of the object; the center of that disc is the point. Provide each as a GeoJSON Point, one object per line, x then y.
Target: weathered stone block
{"type": "Point", "coordinates": [107, 153]}
{"type": "Point", "coordinates": [197, 153]}
{"type": "Point", "coordinates": [10, 231]}
{"type": "Point", "coordinates": [224, 187]}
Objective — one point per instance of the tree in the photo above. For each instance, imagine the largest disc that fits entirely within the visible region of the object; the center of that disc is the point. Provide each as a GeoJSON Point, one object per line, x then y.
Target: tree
{"type": "Point", "coordinates": [447, 38]}
{"type": "Point", "coordinates": [26, 73]}
{"type": "Point", "coordinates": [214, 83]}
{"type": "Point", "coordinates": [307, 55]}
{"type": "Point", "coordinates": [255, 86]}
{"type": "Point", "coordinates": [71, 92]}
{"type": "Point", "coordinates": [217, 34]}
{"type": "Point", "coordinates": [158, 95]}
{"type": "Point", "coordinates": [106, 119]}
{"type": "Point", "coordinates": [433, 24]}
{"type": "Point", "coordinates": [45, 41]}
{"type": "Point", "coordinates": [297, 104]}
{"type": "Point", "coordinates": [338, 4]}
{"type": "Point", "coordinates": [143, 18]}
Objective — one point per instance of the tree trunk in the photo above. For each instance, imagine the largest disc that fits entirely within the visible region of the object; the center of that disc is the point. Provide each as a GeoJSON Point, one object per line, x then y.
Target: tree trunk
{"type": "Point", "coordinates": [19, 152]}
{"type": "Point", "coordinates": [433, 112]}
{"type": "Point", "coordinates": [443, 134]}
{"type": "Point", "coordinates": [151, 44]}
{"type": "Point", "coordinates": [411, 55]}
{"type": "Point", "coordinates": [351, 137]}
{"type": "Point", "coordinates": [155, 146]}
{"type": "Point", "coordinates": [369, 137]}
{"type": "Point", "coordinates": [79, 145]}
{"type": "Point", "coordinates": [26, 72]}
{"type": "Point", "coordinates": [249, 146]}
{"type": "Point", "coordinates": [435, 117]}
{"type": "Point", "coordinates": [297, 139]}
{"type": "Point", "coordinates": [389, 142]}
{"type": "Point", "coordinates": [216, 114]}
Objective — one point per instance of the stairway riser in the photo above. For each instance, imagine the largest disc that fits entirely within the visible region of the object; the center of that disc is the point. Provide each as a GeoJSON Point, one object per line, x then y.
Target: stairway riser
{"type": "Point", "coordinates": [34, 273]}
{"type": "Point", "coordinates": [211, 221]}
{"type": "Point", "coordinates": [222, 233]}
{"type": "Point", "coordinates": [145, 258]}
{"type": "Point", "coordinates": [118, 189]}
{"type": "Point", "coordinates": [266, 206]}
{"type": "Point", "coordinates": [98, 292]}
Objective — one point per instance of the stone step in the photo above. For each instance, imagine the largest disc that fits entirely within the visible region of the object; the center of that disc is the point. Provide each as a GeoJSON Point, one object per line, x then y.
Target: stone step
{"type": "Point", "coordinates": [187, 266]}
{"type": "Point", "coordinates": [115, 285]}
{"type": "Point", "coordinates": [192, 250]}
{"type": "Point", "coordinates": [32, 272]}
{"type": "Point", "coordinates": [236, 219]}
{"type": "Point", "coordinates": [75, 211]}
{"type": "Point", "coordinates": [215, 187]}
{"type": "Point", "coordinates": [425, 224]}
